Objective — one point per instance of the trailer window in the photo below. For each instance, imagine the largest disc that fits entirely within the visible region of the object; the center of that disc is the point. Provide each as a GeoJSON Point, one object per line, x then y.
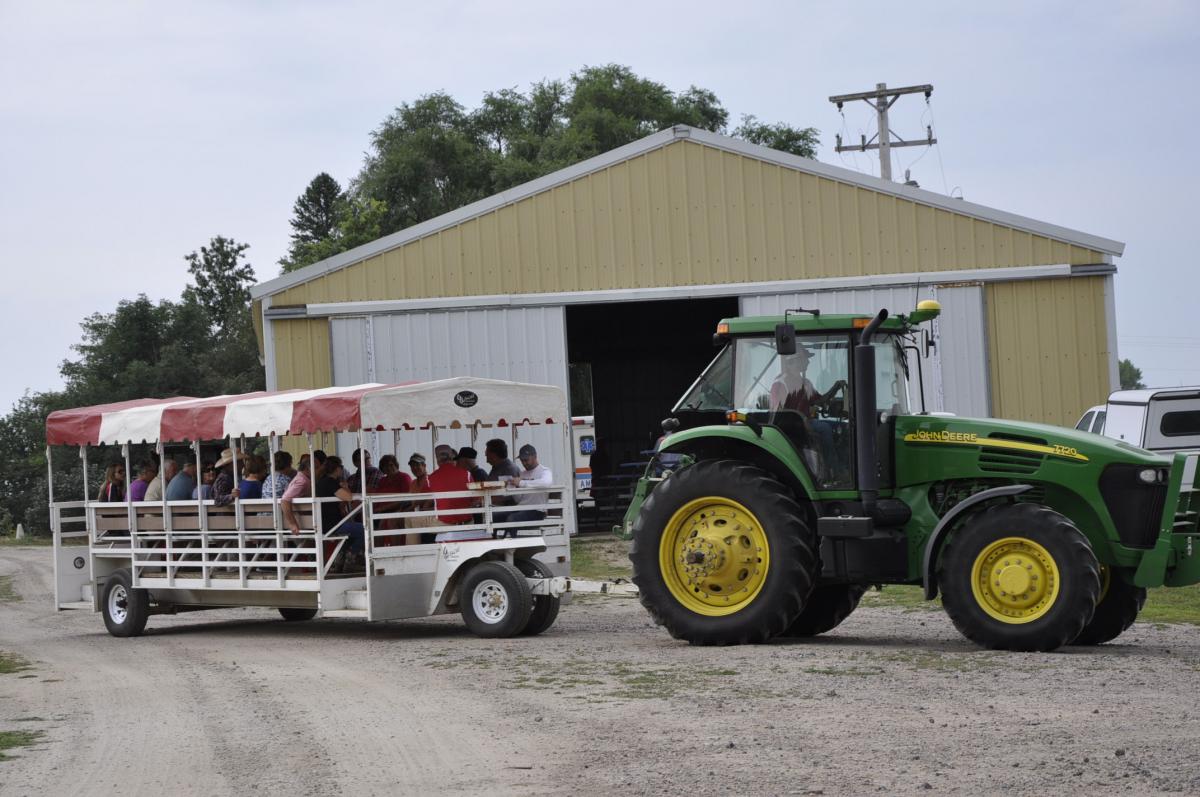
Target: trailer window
{"type": "Point", "coordinates": [1180, 424]}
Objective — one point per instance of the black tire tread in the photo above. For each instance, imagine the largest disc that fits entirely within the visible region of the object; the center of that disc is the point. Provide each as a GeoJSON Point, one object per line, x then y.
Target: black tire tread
{"type": "Point", "coordinates": [826, 609]}
{"type": "Point", "coordinates": [545, 607]}
{"type": "Point", "coordinates": [792, 557]}
{"type": "Point", "coordinates": [1115, 612]}
{"type": "Point", "coordinates": [296, 614]}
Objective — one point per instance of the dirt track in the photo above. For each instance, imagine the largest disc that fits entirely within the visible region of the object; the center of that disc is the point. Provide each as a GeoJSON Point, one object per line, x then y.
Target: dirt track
{"type": "Point", "coordinates": [236, 701]}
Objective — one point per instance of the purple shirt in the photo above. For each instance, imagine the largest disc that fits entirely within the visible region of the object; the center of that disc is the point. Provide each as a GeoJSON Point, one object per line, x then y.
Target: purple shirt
{"type": "Point", "coordinates": [137, 490]}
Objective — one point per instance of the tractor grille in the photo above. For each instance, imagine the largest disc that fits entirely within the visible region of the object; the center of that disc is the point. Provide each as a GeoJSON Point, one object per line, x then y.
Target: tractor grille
{"type": "Point", "coordinates": [1011, 461]}
{"type": "Point", "coordinates": [1135, 508]}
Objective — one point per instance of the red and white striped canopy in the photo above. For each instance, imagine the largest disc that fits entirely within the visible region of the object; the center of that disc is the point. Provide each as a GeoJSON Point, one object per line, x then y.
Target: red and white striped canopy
{"type": "Point", "coordinates": [461, 400]}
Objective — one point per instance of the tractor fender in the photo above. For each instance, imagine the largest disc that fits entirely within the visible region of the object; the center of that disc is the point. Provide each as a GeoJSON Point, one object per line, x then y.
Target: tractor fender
{"type": "Point", "coordinates": [772, 452]}
{"type": "Point", "coordinates": [942, 530]}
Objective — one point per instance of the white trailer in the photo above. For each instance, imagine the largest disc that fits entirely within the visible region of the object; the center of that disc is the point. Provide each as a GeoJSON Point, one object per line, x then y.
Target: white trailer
{"type": "Point", "coordinates": [129, 560]}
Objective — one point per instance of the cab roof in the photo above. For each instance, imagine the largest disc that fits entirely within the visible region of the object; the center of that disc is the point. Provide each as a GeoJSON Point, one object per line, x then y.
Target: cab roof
{"type": "Point", "coordinates": [806, 322]}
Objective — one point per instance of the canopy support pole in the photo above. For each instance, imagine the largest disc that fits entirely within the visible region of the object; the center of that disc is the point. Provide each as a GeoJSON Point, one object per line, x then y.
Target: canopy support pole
{"type": "Point", "coordinates": [203, 513]}
{"type": "Point", "coordinates": [166, 512]}
{"type": "Point", "coordinates": [368, 520]}
{"type": "Point", "coordinates": [237, 510]}
{"type": "Point", "coordinates": [83, 458]}
{"type": "Point", "coordinates": [50, 495]}
{"type": "Point", "coordinates": [129, 507]}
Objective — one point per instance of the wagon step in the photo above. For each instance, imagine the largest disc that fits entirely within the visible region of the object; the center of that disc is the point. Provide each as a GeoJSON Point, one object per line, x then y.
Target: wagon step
{"type": "Point", "coordinates": [560, 585]}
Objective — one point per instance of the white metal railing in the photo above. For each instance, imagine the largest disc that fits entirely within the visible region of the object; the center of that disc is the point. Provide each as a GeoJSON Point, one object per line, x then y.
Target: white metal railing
{"type": "Point", "coordinates": [194, 544]}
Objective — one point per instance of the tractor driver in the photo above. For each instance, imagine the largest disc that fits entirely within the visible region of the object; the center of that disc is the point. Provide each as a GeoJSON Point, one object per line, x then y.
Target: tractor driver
{"type": "Point", "coordinates": [795, 391]}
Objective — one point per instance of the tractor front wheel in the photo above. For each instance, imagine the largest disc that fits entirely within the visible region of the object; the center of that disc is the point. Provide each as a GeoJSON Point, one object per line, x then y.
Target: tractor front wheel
{"type": "Point", "coordinates": [1019, 577]}
{"type": "Point", "coordinates": [1119, 605]}
{"type": "Point", "coordinates": [721, 554]}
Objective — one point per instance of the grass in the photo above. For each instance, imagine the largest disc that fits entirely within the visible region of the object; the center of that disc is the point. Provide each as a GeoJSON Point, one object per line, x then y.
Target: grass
{"type": "Point", "coordinates": [908, 598]}
{"type": "Point", "coordinates": [11, 663]}
{"type": "Point", "coordinates": [10, 740]}
{"type": "Point", "coordinates": [1172, 605]}
{"type": "Point", "coordinates": [7, 541]}
{"type": "Point", "coordinates": [7, 593]}
{"type": "Point", "coordinates": [602, 558]}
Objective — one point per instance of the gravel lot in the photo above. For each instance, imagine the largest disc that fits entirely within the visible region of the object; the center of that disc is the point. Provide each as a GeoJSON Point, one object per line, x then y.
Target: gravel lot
{"type": "Point", "coordinates": [894, 701]}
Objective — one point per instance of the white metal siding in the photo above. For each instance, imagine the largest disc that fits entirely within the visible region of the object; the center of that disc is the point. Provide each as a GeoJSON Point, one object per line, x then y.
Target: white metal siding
{"type": "Point", "coordinates": [962, 344]}
{"type": "Point", "coordinates": [520, 344]}
{"type": "Point", "coordinates": [956, 373]}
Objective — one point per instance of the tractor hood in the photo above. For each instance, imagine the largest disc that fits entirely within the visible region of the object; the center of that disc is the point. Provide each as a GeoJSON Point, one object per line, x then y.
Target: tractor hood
{"type": "Point", "coordinates": [999, 447]}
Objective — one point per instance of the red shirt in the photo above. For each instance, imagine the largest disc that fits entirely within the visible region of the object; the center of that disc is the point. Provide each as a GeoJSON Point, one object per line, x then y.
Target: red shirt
{"type": "Point", "coordinates": [451, 479]}
{"type": "Point", "coordinates": [398, 482]}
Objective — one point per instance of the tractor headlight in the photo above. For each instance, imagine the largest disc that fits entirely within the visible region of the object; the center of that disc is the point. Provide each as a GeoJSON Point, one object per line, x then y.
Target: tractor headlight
{"type": "Point", "coordinates": [1151, 475]}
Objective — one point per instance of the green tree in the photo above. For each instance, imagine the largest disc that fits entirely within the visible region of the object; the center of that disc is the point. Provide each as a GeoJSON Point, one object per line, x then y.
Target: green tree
{"type": "Point", "coordinates": [798, 141]}
{"type": "Point", "coordinates": [432, 155]}
{"type": "Point", "coordinates": [222, 280]}
{"type": "Point", "coordinates": [1131, 375]}
{"type": "Point", "coordinates": [315, 219]}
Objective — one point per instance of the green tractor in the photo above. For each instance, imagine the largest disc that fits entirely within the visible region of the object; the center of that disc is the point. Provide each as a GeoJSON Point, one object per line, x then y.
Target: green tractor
{"type": "Point", "coordinates": [794, 475]}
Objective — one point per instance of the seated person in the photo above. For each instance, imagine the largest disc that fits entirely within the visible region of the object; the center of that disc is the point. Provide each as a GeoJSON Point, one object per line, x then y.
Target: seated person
{"type": "Point", "coordinates": [146, 474]}
{"type": "Point", "coordinates": [275, 486]}
{"type": "Point", "coordinates": [299, 487]}
{"type": "Point", "coordinates": [333, 485]}
{"type": "Point", "coordinates": [450, 478]}
{"type": "Point", "coordinates": [534, 474]}
{"type": "Point", "coordinates": [251, 484]}
{"type": "Point", "coordinates": [794, 391]}
{"type": "Point", "coordinates": [180, 488]}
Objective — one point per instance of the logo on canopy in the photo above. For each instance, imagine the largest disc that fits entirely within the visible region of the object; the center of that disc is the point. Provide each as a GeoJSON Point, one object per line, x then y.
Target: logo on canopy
{"type": "Point", "coordinates": [466, 398]}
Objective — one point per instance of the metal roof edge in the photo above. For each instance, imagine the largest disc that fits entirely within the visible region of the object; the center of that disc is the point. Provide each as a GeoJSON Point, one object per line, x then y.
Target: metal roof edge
{"type": "Point", "coordinates": [479, 208]}
{"type": "Point", "coordinates": [919, 195]}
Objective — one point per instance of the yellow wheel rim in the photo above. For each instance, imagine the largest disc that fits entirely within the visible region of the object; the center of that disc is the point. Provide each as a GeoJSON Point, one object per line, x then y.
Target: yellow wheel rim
{"type": "Point", "coordinates": [1015, 580]}
{"type": "Point", "coordinates": [714, 556]}
{"type": "Point", "coordinates": [1105, 582]}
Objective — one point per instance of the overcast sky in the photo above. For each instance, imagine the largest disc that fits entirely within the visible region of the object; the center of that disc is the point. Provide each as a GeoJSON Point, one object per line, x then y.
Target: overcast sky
{"type": "Point", "coordinates": [131, 133]}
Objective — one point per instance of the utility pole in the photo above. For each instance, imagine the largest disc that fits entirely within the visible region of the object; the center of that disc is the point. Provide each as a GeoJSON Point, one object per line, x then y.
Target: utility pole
{"type": "Point", "coordinates": [881, 99]}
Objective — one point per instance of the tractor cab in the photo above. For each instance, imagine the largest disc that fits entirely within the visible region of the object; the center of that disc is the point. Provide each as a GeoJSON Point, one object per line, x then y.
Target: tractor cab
{"type": "Point", "coordinates": [795, 375]}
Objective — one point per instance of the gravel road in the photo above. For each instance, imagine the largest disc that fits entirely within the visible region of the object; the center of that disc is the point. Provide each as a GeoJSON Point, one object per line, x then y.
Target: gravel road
{"type": "Point", "coordinates": [234, 702]}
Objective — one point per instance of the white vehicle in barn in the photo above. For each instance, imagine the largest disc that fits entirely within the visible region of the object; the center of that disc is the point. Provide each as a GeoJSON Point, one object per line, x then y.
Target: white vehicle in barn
{"type": "Point", "coordinates": [583, 436]}
{"type": "Point", "coordinates": [130, 560]}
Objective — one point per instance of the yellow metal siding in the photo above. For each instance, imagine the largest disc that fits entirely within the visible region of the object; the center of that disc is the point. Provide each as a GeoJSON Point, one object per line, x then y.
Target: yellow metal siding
{"type": "Point", "coordinates": [1048, 348]}
{"type": "Point", "coordinates": [685, 214]}
{"type": "Point", "coordinates": [302, 354]}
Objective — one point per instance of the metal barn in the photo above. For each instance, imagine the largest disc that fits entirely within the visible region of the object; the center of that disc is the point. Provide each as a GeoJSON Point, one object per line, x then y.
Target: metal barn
{"type": "Point", "coordinates": [619, 267]}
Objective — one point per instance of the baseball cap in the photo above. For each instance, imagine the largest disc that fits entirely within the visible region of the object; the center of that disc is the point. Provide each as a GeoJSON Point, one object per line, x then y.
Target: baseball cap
{"type": "Point", "coordinates": [527, 449]}
{"type": "Point", "coordinates": [466, 452]}
{"type": "Point", "coordinates": [417, 458]}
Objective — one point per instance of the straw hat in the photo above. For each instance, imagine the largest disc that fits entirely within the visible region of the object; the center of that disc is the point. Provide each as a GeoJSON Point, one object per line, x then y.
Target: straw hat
{"type": "Point", "coordinates": [227, 457]}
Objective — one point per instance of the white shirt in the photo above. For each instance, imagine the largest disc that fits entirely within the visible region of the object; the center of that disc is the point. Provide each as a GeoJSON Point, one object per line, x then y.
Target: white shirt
{"type": "Point", "coordinates": [537, 476]}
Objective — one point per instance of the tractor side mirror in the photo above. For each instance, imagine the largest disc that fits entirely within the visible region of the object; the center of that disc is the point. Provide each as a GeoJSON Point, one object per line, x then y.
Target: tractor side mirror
{"type": "Point", "coordinates": [785, 339]}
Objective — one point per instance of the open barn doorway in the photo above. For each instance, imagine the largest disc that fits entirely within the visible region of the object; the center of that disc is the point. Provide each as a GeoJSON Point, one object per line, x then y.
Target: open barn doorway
{"type": "Point", "coordinates": [630, 362]}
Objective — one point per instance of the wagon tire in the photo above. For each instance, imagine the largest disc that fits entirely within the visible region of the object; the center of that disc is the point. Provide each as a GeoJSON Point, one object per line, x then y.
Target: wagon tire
{"type": "Point", "coordinates": [125, 609]}
{"type": "Point", "coordinates": [1019, 577]}
{"type": "Point", "coordinates": [826, 608]}
{"type": "Point", "coordinates": [495, 600]}
{"type": "Point", "coordinates": [545, 607]}
{"type": "Point", "coordinates": [1120, 603]}
{"type": "Point", "coordinates": [293, 614]}
{"type": "Point", "coordinates": [722, 554]}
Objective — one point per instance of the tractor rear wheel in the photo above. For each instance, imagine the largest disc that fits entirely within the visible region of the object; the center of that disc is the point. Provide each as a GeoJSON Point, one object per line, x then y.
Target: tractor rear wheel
{"type": "Point", "coordinates": [826, 608]}
{"type": "Point", "coordinates": [721, 554]}
{"type": "Point", "coordinates": [1019, 577]}
{"type": "Point", "coordinates": [1119, 605]}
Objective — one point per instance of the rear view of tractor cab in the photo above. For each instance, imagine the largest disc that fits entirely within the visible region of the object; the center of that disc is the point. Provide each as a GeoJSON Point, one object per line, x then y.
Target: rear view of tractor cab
{"type": "Point", "coordinates": [805, 477]}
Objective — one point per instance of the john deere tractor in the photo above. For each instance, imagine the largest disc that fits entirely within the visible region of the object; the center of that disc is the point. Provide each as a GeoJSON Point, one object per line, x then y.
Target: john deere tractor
{"type": "Point", "coordinates": [794, 475]}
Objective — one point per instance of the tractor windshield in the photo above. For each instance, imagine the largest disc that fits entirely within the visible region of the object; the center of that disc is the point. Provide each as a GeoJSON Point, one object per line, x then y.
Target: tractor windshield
{"type": "Point", "coordinates": [806, 394]}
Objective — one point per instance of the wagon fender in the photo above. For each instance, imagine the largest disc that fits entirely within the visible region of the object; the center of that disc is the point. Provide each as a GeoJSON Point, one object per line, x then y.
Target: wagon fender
{"type": "Point", "coordinates": [455, 558]}
{"type": "Point", "coordinates": [942, 530]}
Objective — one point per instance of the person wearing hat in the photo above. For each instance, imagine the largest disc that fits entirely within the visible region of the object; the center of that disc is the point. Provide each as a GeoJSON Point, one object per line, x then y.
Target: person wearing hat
{"type": "Point", "coordinates": [533, 474]}
{"type": "Point", "coordinates": [450, 478]}
{"type": "Point", "coordinates": [795, 391]}
{"type": "Point", "coordinates": [420, 472]}
{"type": "Point", "coordinates": [223, 490]}
{"type": "Point", "coordinates": [466, 461]}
